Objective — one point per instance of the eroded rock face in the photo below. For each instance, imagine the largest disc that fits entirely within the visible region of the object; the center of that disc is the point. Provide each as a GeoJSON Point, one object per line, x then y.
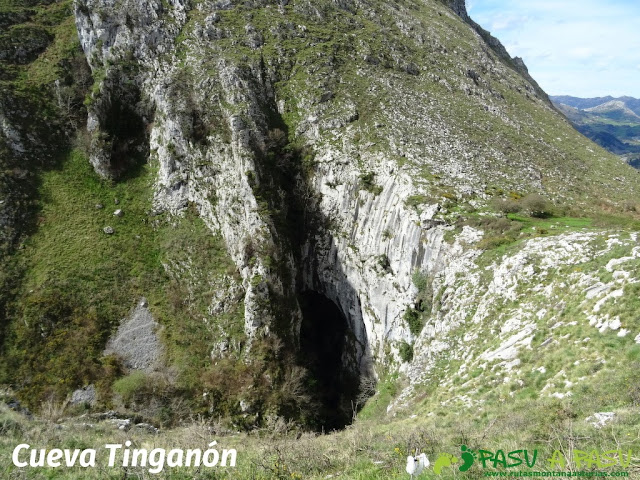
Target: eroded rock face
{"type": "Point", "coordinates": [210, 134]}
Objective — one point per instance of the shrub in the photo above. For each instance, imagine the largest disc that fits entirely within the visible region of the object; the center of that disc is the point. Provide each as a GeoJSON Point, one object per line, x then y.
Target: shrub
{"type": "Point", "coordinates": [515, 195]}
{"type": "Point", "coordinates": [488, 243]}
{"type": "Point", "coordinates": [416, 317]}
{"type": "Point", "coordinates": [276, 139]}
{"type": "Point", "coordinates": [406, 352]}
{"type": "Point", "coordinates": [130, 386]}
{"type": "Point", "coordinates": [414, 320]}
{"type": "Point", "coordinates": [493, 226]}
{"type": "Point", "coordinates": [424, 299]}
{"type": "Point", "coordinates": [537, 206]}
{"type": "Point", "coordinates": [450, 196]}
{"type": "Point", "coordinates": [9, 424]}
{"type": "Point", "coordinates": [57, 345]}
{"type": "Point", "coordinates": [508, 205]}
{"type": "Point", "coordinates": [385, 263]}
{"type": "Point", "coordinates": [420, 280]}
{"type": "Point", "coordinates": [367, 183]}
{"type": "Point", "coordinates": [630, 206]}
{"type": "Point", "coordinates": [497, 231]}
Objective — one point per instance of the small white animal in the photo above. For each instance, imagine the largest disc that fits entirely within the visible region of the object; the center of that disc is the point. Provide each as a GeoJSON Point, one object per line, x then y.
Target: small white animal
{"type": "Point", "coordinates": [416, 464]}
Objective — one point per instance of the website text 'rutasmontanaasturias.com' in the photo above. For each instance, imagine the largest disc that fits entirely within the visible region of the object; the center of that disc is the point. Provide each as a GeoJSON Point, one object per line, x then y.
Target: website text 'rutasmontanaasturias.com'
{"type": "Point", "coordinates": [556, 474]}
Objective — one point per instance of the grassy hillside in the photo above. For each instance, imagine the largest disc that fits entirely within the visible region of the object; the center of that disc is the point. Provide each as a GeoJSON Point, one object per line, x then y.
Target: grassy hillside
{"type": "Point", "coordinates": [415, 73]}
{"type": "Point", "coordinates": [368, 450]}
{"type": "Point", "coordinates": [79, 282]}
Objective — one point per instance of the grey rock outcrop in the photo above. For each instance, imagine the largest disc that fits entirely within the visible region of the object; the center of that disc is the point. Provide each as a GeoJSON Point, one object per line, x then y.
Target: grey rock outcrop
{"type": "Point", "coordinates": [84, 396]}
{"type": "Point", "coordinates": [460, 8]}
{"type": "Point", "coordinates": [231, 169]}
{"type": "Point", "coordinates": [487, 316]}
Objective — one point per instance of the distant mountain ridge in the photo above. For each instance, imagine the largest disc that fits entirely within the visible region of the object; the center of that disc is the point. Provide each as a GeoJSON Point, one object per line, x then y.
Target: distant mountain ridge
{"type": "Point", "coordinates": [631, 103]}
{"type": "Point", "coordinates": [613, 123]}
{"type": "Point", "coordinates": [615, 108]}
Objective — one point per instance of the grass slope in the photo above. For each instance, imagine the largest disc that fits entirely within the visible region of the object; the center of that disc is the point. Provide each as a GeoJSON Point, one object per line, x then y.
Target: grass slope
{"type": "Point", "coordinates": [80, 282]}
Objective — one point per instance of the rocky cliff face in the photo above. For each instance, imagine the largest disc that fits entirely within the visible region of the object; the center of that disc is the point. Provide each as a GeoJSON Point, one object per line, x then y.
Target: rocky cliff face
{"type": "Point", "coordinates": [333, 146]}
{"type": "Point", "coordinates": [304, 144]}
{"type": "Point", "coordinates": [460, 8]}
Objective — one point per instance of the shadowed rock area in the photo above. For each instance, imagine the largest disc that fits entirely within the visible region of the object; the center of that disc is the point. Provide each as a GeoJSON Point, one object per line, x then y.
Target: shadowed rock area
{"type": "Point", "coordinates": [326, 345]}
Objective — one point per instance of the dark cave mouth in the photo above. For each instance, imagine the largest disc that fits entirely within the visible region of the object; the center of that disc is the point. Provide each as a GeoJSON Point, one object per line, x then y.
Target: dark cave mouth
{"type": "Point", "coordinates": [328, 351]}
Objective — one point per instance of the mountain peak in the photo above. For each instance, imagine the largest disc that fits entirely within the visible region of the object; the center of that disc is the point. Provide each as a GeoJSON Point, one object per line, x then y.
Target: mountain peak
{"type": "Point", "coordinates": [617, 107]}
{"type": "Point", "coordinates": [459, 7]}
{"type": "Point", "coordinates": [613, 123]}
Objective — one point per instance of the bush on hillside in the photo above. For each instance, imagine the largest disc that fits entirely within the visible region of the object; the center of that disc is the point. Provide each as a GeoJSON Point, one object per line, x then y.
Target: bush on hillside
{"type": "Point", "coordinates": [537, 206]}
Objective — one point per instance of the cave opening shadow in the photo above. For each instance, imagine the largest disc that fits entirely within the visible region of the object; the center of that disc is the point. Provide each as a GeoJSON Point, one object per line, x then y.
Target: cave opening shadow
{"type": "Point", "coordinates": [328, 352]}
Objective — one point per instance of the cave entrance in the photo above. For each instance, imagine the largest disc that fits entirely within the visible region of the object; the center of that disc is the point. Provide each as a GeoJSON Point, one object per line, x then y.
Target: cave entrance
{"type": "Point", "coordinates": [328, 351]}
{"type": "Point", "coordinates": [124, 121]}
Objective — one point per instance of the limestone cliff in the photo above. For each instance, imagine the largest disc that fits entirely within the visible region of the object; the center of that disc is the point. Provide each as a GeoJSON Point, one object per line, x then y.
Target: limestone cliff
{"type": "Point", "coordinates": [274, 117]}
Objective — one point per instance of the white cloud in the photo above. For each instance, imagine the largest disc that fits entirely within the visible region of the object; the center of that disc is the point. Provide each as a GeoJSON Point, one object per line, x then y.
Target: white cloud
{"type": "Point", "coordinates": [581, 52]}
{"type": "Point", "coordinates": [588, 49]}
{"type": "Point", "coordinates": [508, 22]}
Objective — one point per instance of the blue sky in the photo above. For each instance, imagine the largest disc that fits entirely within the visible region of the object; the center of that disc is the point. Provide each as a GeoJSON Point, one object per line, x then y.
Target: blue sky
{"type": "Point", "coordinates": [585, 48]}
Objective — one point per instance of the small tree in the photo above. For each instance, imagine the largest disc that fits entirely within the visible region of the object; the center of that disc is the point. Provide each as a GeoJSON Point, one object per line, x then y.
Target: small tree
{"type": "Point", "coordinates": [537, 205]}
{"type": "Point", "coordinates": [506, 205]}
